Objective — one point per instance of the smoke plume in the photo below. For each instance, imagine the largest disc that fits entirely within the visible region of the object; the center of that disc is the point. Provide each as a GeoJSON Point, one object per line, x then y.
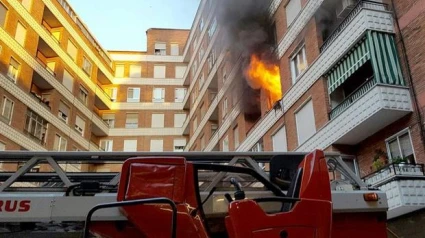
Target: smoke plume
{"type": "Point", "coordinates": [248, 30]}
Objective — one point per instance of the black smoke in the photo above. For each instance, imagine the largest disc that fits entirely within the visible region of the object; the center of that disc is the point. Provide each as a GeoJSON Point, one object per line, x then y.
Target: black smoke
{"type": "Point", "coordinates": [247, 30]}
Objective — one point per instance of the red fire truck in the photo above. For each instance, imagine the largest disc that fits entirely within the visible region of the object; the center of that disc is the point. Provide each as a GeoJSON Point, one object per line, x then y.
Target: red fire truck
{"type": "Point", "coordinates": [187, 195]}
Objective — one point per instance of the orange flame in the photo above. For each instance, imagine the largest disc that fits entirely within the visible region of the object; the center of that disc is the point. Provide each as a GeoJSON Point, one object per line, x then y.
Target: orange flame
{"type": "Point", "coordinates": [266, 77]}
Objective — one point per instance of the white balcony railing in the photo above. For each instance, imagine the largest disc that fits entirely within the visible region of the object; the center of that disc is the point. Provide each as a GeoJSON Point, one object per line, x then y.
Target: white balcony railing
{"type": "Point", "coordinates": [404, 185]}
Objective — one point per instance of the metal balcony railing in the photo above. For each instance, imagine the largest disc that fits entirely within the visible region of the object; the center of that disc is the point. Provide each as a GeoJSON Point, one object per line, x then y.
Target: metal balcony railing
{"type": "Point", "coordinates": [103, 91]}
{"type": "Point", "coordinates": [392, 170]}
{"type": "Point", "coordinates": [350, 99]}
{"type": "Point", "coordinates": [360, 5]}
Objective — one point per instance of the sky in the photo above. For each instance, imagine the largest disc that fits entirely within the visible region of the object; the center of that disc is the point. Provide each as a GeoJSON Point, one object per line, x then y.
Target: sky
{"type": "Point", "coordinates": [122, 24]}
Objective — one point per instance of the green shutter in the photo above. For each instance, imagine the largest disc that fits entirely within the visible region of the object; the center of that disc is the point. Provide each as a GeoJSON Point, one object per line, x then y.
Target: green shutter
{"type": "Point", "coordinates": [352, 61]}
{"type": "Point", "coordinates": [384, 57]}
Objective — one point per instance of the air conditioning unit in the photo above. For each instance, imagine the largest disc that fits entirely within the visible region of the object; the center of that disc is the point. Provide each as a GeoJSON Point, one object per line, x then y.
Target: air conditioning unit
{"type": "Point", "coordinates": [344, 8]}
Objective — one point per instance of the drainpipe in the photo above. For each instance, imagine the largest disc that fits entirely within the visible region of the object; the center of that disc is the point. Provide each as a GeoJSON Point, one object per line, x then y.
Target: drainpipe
{"type": "Point", "coordinates": [409, 76]}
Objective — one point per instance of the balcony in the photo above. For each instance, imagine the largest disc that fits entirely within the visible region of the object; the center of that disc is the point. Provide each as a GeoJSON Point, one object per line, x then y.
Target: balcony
{"type": "Point", "coordinates": [375, 109]}
{"type": "Point", "coordinates": [101, 95]}
{"type": "Point", "coordinates": [404, 185]}
{"type": "Point", "coordinates": [41, 90]}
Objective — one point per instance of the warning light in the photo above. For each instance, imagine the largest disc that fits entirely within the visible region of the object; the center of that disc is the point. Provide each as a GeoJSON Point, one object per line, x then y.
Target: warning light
{"type": "Point", "coordinates": [371, 197]}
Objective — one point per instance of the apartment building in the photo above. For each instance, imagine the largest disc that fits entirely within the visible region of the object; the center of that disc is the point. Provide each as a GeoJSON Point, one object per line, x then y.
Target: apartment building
{"type": "Point", "coordinates": [147, 113]}
{"type": "Point", "coordinates": [348, 84]}
{"type": "Point", "coordinates": [53, 74]}
{"type": "Point", "coordinates": [349, 73]}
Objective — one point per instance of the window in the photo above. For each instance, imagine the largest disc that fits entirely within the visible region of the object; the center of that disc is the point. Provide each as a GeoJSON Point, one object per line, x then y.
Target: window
{"type": "Point", "coordinates": [60, 143]}
{"type": "Point", "coordinates": [13, 70]}
{"type": "Point", "coordinates": [112, 92]}
{"type": "Point", "coordinates": [400, 146]}
{"type": "Point", "coordinates": [68, 81]}
{"type": "Point", "coordinates": [214, 128]}
{"type": "Point", "coordinates": [132, 120]}
{"type": "Point", "coordinates": [87, 66]}
{"type": "Point", "coordinates": [2, 146]}
{"type": "Point", "coordinates": [35, 126]}
{"type": "Point", "coordinates": [135, 71]}
{"type": "Point", "coordinates": [7, 109]}
{"type": "Point", "coordinates": [159, 71]}
{"type": "Point", "coordinates": [201, 54]}
{"type": "Point", "coordinates": [298, 64]}
{"type": "Point", "coordinates": [202, 110]}
{"type": "Point", "coordinates": [157, 146]}
{"type": "Point", "coordinates": [180, 71]}
{"type": "Point", "coordinates": [213, 28]}
{"type": "Point", "coordinates": [109, 119]}
{"type": "Point", "coordinates": [202, 142]}
{"type": "Point", "coordinates": [195, 123]}
{"type": "Point", "coordinates": [279, 140]}
{"type": "Point", "coordinates": [179, 94]}
{"type": "Point", "coordinates": [226, 144]}
{"type": "Point", "coordinates": [179, 145]}
{"type": "Point", "coordinates": [175, 49]}
{"type": "Point", "coordinates": [201, 24]}
{"type": "Point", "coordinates": [20, 34]}
{"type": "Point", "coordinates": [130, 145]}
{"type": "Point", "coordinates": [224, 73]}
{"type": "Point", "coordinates": [83, 95]}
{"type": "Point", "coordinates": [133, 95]}
{"type": "Point", "coordinates": [72, 50]}
{"type": "Point", "coordinates": [3, 13]}
{"type": "Point", "coordinates": [158, 95]}
{"type": "Point", "coordinates": [27, 4]}
{"type": "Point", "coordinates": [201, 80]}
{"type": "Point", "coordinates": [236, 136]}
{"type": "Point", "coordinates": [259, 147]}
{"type": "Point", "coordinates": [306, 126]}
{"type": "Point", "coordinates": [160, 49]}
{"type": "Point", "coordinates": [106, 145]}
{"type": "Point", "coordinates": [119, 71]}
{"type": "Point", "coordinates": [292, 10]}
{"type": "Point", "coordinates": [80, 125]}
{"type": "Point", "coordinates": [64, 112]}
{"type": "Point", "coordinates": [179, 119]}
{"type": "Point", "coordinates": [224, 109]}
{"type": "Point", "coordinates": [157, 121]}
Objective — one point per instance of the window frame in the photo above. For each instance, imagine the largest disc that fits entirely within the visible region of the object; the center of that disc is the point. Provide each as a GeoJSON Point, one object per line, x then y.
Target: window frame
{"type": "Point", "coordinates": [397, 137]}
{"type": "Point", "coordinates": [110, 144]}
{"type": "Point", "coordinates": [133, 99]}
{"type": "Point", "coordinates": [87, 62]}
{"type": "Point", "coordinates": [83, 91]}
{"type": "Point", "coordinates": [295, 71]}
{"type": "Point", "coordinates": [5, 99]}
{"type": "Point", "coordinates": [16, 71]}
{"type": "Point", "coordinates": [156, 100]}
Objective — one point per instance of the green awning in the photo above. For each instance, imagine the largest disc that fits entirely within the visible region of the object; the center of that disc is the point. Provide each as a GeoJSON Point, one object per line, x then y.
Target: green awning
{"type": "Point", "coordinates": [380, 49]}
{"type": "Point", "coordinates": [352, 61]}
{"type": "Point", "coordinates": [384, 58]}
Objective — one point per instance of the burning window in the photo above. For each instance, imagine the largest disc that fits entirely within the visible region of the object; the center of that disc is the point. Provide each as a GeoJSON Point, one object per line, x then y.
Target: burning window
{"type": "Point", "coordinates": [265, 76]}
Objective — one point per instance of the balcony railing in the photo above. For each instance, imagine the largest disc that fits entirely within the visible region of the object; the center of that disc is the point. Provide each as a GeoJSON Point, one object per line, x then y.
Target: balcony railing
{"type": "Point", "coordinates": [360, 5]}
{"type": "Point", "coordinates": [103, 91]}
{"type": "Point", "coordinates": [392, 170]}
{"type": "Point", "coordinates": [41, 101]}
{"type": "Point", "coordinates": [350, 99]}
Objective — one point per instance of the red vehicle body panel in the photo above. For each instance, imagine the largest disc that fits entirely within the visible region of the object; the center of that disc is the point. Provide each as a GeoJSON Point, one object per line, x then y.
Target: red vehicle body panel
{"type": "Point", "coordinates": [174, 178]}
